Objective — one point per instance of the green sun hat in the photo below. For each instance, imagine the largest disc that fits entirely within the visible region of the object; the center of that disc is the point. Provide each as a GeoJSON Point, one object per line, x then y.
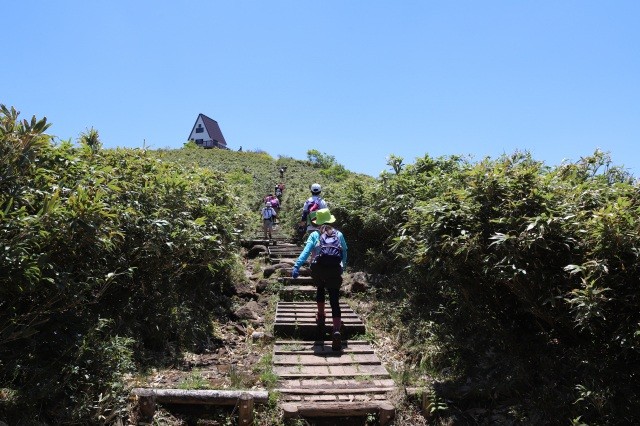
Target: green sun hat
{"type": "Point", "coordinates": [323, 216]}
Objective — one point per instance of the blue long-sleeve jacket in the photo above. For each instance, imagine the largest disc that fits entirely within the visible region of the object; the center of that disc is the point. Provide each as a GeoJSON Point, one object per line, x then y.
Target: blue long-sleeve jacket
{"type": "Point", "coordinates": [313, 246]}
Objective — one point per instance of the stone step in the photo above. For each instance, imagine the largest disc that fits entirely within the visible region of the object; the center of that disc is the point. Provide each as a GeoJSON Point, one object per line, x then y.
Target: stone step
{"type": "Point", "coordinates": [296, 281]}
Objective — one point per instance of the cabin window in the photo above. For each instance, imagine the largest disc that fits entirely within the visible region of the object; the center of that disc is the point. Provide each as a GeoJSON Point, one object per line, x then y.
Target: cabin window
{"type": "Point", "coordinates": [199, 129]}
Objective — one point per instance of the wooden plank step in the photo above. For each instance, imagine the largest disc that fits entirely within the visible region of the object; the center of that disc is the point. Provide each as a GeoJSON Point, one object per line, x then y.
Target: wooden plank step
{"type": "Point", "coordinates": [309, 332]}
{"type": "Point", "coordinates": [297, 292]}
{"type": "Point", "coordinates": [302, 370]}
{"type": "Point", "coordinates": [298, 287]}
{"type": "Point", "coordinates": [297, 320]}
{"type": "Point", "coordinates": [345, 349]}
{"type": "Point", "coordinates": [310, 318]}
{"type": "Point", "coordinates": [347, 321]}
{"type": "Point", "coordinates": [336, 391]}
{"type": "Point", "coordinates": [305, 305]}
{"type": "Point", "coordinates": [384, 409]}
{"type": "Point", "coordinates": [311, 312]}
{"type": "Point", "coordinates": [258, 242]}
{"type": "Point", "coordinates": [284, 253]}
{"type": "Point", "coordinates": [324, 347]}
{"type": "Point", "coordinates": [324, 384]}
{"type": "Point", "coordinates": [325, 359]}
{"type": "Point", "coordinates": [273, 253]}
{"type": "Point", "coordinates": [284, 247]}
{"type": "Point", "coordinates": [347, 397]}
{"type": "Point", "coordinates": [306, 345]}
{"type": "Point", "coordinates": [320, 348]}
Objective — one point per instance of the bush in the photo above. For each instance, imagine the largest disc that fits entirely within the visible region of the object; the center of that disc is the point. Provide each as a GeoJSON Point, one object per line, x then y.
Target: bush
{"type": "Point", "coordinates": [528, 271]}
{"type": "Point", "coordinates": [107, 255]}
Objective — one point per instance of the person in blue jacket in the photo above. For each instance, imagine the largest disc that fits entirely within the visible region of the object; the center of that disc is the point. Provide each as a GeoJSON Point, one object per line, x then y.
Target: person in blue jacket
{"type": "Point", "coordinates": [327, 249]}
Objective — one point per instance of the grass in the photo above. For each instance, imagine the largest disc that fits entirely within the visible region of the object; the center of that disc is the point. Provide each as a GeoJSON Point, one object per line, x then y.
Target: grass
{"type": "Point", "coordinates": [265, 369]}
{"type": "Point", "coordinates": [195, 380]}
{"type": "Point", "coordinates": [363, 378]}
{"type": "Point", "coordinates": [367, 336]}
{"type": "Point", "coordinates": [292, 347]}
{"type": "Point", "coordinates": [239, 379]}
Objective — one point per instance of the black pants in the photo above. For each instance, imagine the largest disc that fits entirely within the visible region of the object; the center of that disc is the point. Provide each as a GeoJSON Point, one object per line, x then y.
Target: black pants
{"type": "Point", "coordinates": [328, 277]}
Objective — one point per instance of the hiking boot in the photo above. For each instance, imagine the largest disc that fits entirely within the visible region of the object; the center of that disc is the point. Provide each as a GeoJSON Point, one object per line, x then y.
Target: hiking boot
{"type": "Point", "coordinates": [336, 341]}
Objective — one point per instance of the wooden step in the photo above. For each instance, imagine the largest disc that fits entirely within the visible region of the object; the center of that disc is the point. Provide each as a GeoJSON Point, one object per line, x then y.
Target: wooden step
{"type": "Point", "coordinates": [258, 241]}
{"type": "Point", "coordinates": [284, 247]}
{"type": "Point", "coordinates": [296, 281]}
{"type": "Point", "coordinates": [298, 292]}
{"type": "Point", "coordinates": [298, 320]}
{"type": "Point", "coordinates": [283, 254]}
{"type": "Point", "coordinates": [305, 347]}
{"type": "Point", "coordinates": [330, 371]}
{"type": "Point", "coordinates": [323, 409]}
{"type": "Point", "coordinates": [315, 381]}
{"type": "Point", "coordinates": [333, 386]}
{"type": "Point", "coordinates": [298, 289]}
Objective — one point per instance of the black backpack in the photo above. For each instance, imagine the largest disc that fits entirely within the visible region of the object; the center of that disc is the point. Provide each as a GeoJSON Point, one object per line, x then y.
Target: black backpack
{"type": "Point", "coordinates": [330, 249]}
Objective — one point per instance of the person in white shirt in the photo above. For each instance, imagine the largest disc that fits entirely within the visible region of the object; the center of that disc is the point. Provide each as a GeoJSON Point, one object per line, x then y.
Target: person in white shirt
{"type": "Point", "coordinates": [313, 203]}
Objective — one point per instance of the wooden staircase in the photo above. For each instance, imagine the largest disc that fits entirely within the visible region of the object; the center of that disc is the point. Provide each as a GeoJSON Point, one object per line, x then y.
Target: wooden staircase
{"type": "Point", "coordinates": [316, 382]}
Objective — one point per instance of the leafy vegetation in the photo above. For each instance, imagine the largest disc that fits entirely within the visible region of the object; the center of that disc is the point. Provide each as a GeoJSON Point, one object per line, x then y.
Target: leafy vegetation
{"type": "Point", "coordinates": [252, 175]}
{"type": "Point", "coordinates": [510, 286]}
{"type": "Point", "coordinates": [108, 257]}
{"type": "Point", "coordinates": [518, 278]}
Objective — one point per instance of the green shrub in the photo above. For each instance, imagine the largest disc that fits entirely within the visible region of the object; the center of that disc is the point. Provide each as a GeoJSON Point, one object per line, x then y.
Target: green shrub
{"type": "Point", "coordinates": [108, 255]}
{"type": "Point", "coordinates": [525, 268]}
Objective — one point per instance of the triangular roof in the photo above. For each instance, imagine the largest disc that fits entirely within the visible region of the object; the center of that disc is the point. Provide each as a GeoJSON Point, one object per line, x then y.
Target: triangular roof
{"type": "Point", "coordinates": [212, 128]}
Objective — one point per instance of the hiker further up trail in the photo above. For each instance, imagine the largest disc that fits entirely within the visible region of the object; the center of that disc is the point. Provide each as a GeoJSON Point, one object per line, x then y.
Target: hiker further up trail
{"type": "Point", "coordinates": [275, 202]}
{"type": "Point", "coordinates": [313, 204]}
{"type": "Point", "coordinates": [268, 216]}
{"type": "Point", "coordinates": [328, 251]}
{"type": "Point", "coordinates": [279, 190]}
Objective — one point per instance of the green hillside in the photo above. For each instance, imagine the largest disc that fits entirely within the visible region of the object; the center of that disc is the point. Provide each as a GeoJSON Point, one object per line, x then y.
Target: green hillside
{"type": "Point", "coordinates": [252, 175]}
{"type": "Point", "coordinates": [506, 289]}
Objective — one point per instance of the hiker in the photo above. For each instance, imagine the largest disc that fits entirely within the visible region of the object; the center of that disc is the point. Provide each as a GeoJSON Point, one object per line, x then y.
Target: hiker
{"type": "Point", "coordinates": [313, 203]}
{"type": "Point", "coordinates": [328, 250]}
{"type": "Point", "coordinates": [278, 191]}
{"type": "Point", "coordinates": [268, 216]}
{"type": "Point", "coordinates": [282, 170]}
{"type": "Point", "coordinates": [275, 202]}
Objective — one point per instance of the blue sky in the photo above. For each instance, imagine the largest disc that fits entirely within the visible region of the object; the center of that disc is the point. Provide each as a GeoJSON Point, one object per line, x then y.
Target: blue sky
{"type": "Point", "coordinates": [355, 79]}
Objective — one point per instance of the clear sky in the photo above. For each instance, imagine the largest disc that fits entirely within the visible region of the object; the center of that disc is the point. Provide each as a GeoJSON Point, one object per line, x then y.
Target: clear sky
{"type": "Point", "coordinates": [356, 79]}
